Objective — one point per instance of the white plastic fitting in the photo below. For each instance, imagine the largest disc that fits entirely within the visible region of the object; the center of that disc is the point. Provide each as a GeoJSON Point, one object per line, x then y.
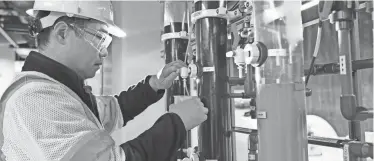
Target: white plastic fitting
{"type": "Point", "coordinates": [240, 56]}
{"type": "Point", "coordinates": [254, 56]}
{"type": "Point", "coordinates": [240, 68]}
{"type": "Point", "coordinates": [193, 70]}
{"type": "Point", "coordinates": [184, 72]}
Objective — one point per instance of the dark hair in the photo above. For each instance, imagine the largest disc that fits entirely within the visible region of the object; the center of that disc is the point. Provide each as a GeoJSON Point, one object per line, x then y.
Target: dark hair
{"type": "Point", "coordinates": [43, 35]}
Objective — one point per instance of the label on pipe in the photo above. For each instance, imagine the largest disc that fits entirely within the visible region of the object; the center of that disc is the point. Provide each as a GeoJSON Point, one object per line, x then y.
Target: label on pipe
{"type": "Point", "coordinates": [208, 69]}
{"type": "Point", "coordinates": [261, 115]}
{"type": "Point", "coordinates": [182, 98]}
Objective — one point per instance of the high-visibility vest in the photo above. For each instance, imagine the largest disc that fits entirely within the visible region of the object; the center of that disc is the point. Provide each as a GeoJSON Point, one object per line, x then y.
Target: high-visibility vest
{"type": "Point", "coordinates": [43, 120]}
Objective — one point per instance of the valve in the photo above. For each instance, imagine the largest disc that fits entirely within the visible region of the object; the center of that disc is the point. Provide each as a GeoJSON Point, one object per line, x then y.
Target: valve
{"type": "Point", "coordinates": [258, 54]}
{"type": "Point", "coordinates": [254, 54]}
{"type": "Point", "coordinates": [358, 149]}
{"type": "Point", "coordinates": [184, 72]}
{"type": "Point", "coordinates": [247, 30]}
{"type": "Point", "coordinates": [184, 75]}
{"type": "Point", "coordinates": [193, 70]}
{"type": "Point", "coordinates": [239, 58]}
{"type": "Point", "coordinates": [190, 71]}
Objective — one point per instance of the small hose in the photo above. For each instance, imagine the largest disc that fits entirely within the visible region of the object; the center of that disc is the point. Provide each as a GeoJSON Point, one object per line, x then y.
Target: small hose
{"type": "Point", "coordinates": [316, 51]}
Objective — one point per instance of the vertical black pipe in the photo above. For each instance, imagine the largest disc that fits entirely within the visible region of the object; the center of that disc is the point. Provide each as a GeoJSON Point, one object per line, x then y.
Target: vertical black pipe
{"type": "Point", "coordinates": [230, 149]}
{"type": "Point", "coordinates": [354, 127]}
{"type": "Point", "coordinates": [211, 39]}
{"type": "Point", "coordinates": [348, 99]}
{"type": "Point", "coordinates": [175, 49]}
{"type": "Point", "coordinates": [249, 84]}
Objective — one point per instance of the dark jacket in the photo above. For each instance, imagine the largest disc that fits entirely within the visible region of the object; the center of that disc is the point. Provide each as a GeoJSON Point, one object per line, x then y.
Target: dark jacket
{"type": "Point", "coordinates": [158, 143]}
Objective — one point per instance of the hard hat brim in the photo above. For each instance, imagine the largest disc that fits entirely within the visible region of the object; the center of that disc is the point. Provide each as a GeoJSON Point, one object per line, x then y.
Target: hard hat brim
{"type": "Point", "coordinates": [112, 28]}
{"type": "Point", "coordinates": [115, 30]}
{"type": "Point", "coordinates": [30, 12]}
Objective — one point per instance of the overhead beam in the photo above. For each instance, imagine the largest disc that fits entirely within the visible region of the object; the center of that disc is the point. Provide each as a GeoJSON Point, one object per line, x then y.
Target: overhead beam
{"type": "Point", "coordinates": [7, 37]}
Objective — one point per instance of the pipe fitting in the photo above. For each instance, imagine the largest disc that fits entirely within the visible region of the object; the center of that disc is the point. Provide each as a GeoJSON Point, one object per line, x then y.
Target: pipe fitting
{"type": "Point", "coordinates": [348, 106]}
{"type": "Point", "coordinates": [235, 81]}
{"type": "Point", "coordinates": [258, 53]}
{"type": "Point", "coordinates": [360, 149]}
{"type": "Point", "coordinates": [193, 70]}
{"type": "Point", "coordinates": [342, 15]}
{"type": "Point", "coordinates": [241, 95]}
{"type": "Point", "coordinates": [351, 112]}
{"type": "Point", "coordinates": [343, 25]}
{"type": "Point", "coordinates": [342, 19]}
{"type": "Point", "coordinates": [364, 113]}
{"type": "Point", "coordinates": [247, 32]}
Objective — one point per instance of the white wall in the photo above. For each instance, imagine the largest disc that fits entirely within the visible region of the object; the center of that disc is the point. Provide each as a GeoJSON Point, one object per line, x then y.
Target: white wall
{"type": "Point", "coordinates": [136, 56]}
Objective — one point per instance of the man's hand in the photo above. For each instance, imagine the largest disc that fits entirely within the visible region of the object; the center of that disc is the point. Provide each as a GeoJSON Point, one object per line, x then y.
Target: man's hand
{"type": "Point", "coordinates": [191, 111]}
{"type": "Point", "coordinates": [167, 75]}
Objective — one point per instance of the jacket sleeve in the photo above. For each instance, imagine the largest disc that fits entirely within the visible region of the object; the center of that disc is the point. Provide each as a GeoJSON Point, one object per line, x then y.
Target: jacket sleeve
{"type": "Point", "coordinates": [109, 113]}
{"type": "Point", "coordinates": [159, 143]}
{"type": "Point", "coordinates": [52, 125]}
{"type": "Point", "coordinates": [137, 98]}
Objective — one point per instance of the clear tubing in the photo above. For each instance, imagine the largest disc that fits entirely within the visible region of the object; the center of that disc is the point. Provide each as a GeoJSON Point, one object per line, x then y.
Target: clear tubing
{"type": "Point", "coordinates": [176, 12]}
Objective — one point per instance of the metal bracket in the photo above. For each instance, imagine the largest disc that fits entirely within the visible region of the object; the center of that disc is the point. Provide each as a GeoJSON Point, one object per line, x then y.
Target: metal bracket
{"type": "Point", "coordinates": [174, 35]}
{"type": "Point", "coordinates": [219, 12]}
{"type": "Point", "coordinates": [342, 65]}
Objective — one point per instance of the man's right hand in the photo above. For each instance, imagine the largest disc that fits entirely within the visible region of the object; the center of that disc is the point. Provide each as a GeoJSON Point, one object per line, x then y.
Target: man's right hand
{"type": "Point", "coordinates": [191, 111]}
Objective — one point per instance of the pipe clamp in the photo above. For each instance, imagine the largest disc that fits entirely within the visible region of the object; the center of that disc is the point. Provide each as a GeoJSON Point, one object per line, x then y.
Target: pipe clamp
{"type": "Point", "coordinates": [174, 35]}
{"type": "Point", "coordinates": [219, 12]}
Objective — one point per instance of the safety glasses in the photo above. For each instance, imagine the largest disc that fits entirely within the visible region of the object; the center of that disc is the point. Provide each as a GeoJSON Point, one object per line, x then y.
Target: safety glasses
{"type": "Point", "coordinates": [99, 40]}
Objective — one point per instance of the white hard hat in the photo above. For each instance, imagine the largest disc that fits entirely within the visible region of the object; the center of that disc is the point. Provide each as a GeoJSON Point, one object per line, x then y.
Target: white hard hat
{"type": "Point", "coordinates": [99, 10]}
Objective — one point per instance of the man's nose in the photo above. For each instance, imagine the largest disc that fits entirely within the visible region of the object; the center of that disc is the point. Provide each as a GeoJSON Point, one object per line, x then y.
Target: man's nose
{"type": "Point", "coordinates": [103, 53]}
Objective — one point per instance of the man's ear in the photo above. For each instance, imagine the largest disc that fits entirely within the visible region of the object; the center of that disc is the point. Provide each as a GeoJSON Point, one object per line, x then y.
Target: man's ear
{"type": "Point", "coordinates": [60, 32]}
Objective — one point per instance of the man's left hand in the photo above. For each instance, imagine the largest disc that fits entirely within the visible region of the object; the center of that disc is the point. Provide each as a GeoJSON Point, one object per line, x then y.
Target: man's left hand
{"type": "Point", "coordinates": [164, 79]}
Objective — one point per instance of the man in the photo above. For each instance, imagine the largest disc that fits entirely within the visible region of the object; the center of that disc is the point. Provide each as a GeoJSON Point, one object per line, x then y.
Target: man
{"type": "Point", "coordinates": [47, 114]}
